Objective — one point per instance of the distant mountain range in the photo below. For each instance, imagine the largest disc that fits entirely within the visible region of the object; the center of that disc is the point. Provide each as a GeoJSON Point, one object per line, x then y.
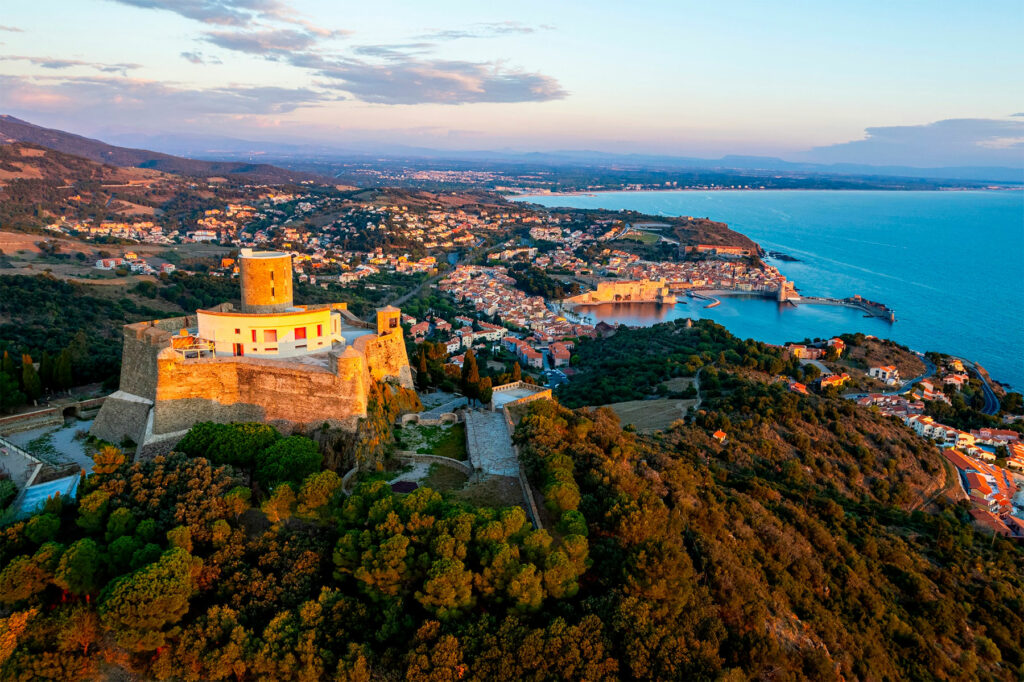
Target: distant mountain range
{"type": "Point", "coordinates": [204, 146]}
{"type": "Point", "coordinates": [207, 155]}
{"type": "Point", "coordinates": [16, 130]}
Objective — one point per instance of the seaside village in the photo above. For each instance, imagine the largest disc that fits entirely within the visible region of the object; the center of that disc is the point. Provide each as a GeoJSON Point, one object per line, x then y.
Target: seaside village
{"type": "Point", "coordinates": [361, 239]}
{"type": "Point", "coordinates": [989, 488]}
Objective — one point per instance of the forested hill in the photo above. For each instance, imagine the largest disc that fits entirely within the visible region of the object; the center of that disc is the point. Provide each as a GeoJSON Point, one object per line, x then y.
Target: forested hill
{"type": "Point", "coordinates": [771, 430]}
{"type": "Point", "coordinates": [16, 130]}
{"type": "Point", "coordinates": [707, 566]}
{"type": "Point", "coordinates": [662, 560]}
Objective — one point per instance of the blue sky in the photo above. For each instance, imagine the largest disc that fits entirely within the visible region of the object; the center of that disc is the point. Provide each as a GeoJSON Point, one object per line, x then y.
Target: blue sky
{"type": "Point", "coordinates": [876, 82]}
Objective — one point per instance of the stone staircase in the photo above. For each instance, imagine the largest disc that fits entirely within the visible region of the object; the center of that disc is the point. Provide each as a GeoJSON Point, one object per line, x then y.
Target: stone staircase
{"type": "Point", "coordinates": [489, 445]}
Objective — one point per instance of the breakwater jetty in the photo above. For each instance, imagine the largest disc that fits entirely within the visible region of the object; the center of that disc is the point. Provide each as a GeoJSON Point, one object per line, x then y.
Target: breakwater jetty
{"type": "Point", "coordinates": [711, 300]}
{"type": "Point", "coordinates": [871, 308]}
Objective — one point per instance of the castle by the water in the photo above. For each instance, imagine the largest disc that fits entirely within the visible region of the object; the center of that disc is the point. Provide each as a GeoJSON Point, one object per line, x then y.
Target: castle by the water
{"type": "Point", "coordinates": [294, 366]}
{"type": "Point", "coordinates": [626, 291]}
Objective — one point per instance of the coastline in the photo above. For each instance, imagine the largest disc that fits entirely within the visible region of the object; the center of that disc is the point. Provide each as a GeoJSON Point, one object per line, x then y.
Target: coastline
{"type": "Point", "coordinates": [711, 296]}
{"type": "Point", "coordinates": [662, 190]}
{"type": "Point", "coordinates": [871, 242]}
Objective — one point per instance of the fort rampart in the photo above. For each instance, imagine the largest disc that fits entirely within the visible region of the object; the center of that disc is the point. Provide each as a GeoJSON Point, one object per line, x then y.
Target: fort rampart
{"type": "Point", "coordinates": [163, 392]}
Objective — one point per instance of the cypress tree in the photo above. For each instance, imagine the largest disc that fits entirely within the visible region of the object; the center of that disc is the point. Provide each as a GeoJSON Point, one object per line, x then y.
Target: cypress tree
{"type": "Point", "coordinates": [10, 396]}
{"type": "Point", "coordinates": [422, 371]}
{"type": "Point", "coordinates": [8, 366]}
{"type": "Point", "coordinates": [46, 371]}
{"type": "Point", "coordinates": [62, 376]}
{"type": "Point", "coordinates": [485, 390]}
{"type": "Point", "coordinates": [470, 375]}
{"type": "Point", "coordinates": [30, 382]}
{"type": "Point", "coordinates": [517, 372]}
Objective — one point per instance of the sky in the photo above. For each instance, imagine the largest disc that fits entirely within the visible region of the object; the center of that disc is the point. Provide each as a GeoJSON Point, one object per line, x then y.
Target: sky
{"type": "Point", "coordinates": [924, 82]}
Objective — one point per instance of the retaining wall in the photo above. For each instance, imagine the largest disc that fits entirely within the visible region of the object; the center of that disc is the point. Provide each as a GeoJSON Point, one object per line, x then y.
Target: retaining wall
{"type": "Point", "coordinates": [346, 480]}
{"type": "Point", "coordinates": [47, 416]}
{"type": "Point", "coordinates": [531, 503]}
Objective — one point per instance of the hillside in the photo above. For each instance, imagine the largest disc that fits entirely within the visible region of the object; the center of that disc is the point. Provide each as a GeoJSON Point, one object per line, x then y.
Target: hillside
{"type": "Point", "coordinates": [30, 161]}
{"type": "Point", "coordinates": [693, 231]}
{"type": "Point", "coordinates": [709, 566]}
{"type": "Point", "coordinates": [686, 230]}
{"type": "Point", "coordinates": [667, 558]}
{"type": "Point", "coordinates": [828, 440]}
{"type": "Point", "coordinates": [40, 185]}
{"type": "Point", "coordinates": [16, 130]}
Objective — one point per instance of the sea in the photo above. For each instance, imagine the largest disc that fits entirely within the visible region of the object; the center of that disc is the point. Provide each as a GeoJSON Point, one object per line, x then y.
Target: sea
{"type": "Point", "coordinates": [949, 263]}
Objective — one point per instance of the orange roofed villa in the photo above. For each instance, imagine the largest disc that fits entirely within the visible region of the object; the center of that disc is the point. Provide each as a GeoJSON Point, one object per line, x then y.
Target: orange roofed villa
{"type": "Point", "coordinates": [294, 366]}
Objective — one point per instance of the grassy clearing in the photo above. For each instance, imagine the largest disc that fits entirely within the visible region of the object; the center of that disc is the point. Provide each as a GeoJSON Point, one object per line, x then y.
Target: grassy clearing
{"type": "Point", "coordinates": [442, 478]}
{"type": "Point", "coordinates": [649, 416]}
{"type": "Point", "coordinates": [642, 237]}
{"type": "Point", "coordinates": [492, 491]}
{"type": "Point", "coordinates": [447, 440]}
{"type": "Point", "coordinates": [678, 384]}
{"type": "Point", "coordinates": [383, 475]}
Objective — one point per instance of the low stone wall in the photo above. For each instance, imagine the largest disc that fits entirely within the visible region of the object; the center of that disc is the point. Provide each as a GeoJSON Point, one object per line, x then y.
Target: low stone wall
{"type": "Point", "coordinates": [537, 392]}
{"type": "Point", "coordinates": [346, 480]}
{"type": "Point", "coordinates": [53, 415]}
{"type": "Point", "coordinates": [48, 416]}
{"type": "Point", "coordinates": [407, 456]}
{"type": "Point", "coordinates": [513, 386]}
{"type": "Point", "coordinates": [91, 406]}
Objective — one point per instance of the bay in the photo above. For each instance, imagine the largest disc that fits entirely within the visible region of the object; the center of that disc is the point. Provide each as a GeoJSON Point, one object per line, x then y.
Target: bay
{"type": "Point", "coordinates": [951, 265]}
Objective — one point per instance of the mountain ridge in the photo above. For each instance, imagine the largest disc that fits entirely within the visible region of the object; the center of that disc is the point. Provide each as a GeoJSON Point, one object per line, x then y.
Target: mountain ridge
{"type": "Point", "coordinates": [207, 146]}
{"type": "Point", "coordinates": [16, 130]}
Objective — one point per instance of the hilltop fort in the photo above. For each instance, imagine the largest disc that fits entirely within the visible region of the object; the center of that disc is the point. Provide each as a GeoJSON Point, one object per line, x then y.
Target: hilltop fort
{"type": "Point", "coordinates": [295, 366]}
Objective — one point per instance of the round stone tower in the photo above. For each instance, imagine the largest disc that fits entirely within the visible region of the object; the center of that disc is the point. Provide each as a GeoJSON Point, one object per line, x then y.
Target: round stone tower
{"type": "Point", "coordinates": [266, 278]}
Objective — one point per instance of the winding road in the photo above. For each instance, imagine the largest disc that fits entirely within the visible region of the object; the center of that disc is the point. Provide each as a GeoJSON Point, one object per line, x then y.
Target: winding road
{"type": "Point", "coordinates": [991, 401]}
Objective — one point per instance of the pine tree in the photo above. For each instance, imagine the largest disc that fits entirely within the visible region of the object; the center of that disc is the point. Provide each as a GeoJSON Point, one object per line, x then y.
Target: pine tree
{"type": "Point", "coordinates": [30, 378]}
{"type": "Point", "coordinates": [10, 395]}
{"type": "Point", "coordinates": [470, 376]}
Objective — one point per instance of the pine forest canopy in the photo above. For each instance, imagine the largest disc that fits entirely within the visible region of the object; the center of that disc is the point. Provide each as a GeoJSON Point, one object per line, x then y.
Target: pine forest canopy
{"type": "Point", "coordinates": [790, 551]}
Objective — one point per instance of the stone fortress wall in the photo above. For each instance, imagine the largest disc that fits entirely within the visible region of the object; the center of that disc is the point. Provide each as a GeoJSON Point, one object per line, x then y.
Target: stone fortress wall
{"type": "Point", "coordinates": [282, 393]}
{"type": "Point", "coordinates": [634, 291]}
{"type": "Point", "coordinates": [164, 391]}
